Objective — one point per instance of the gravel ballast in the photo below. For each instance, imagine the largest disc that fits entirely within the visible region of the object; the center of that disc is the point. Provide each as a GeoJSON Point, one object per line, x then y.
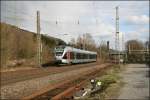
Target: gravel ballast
{"type": "Point", "coordinates": [25, 88]}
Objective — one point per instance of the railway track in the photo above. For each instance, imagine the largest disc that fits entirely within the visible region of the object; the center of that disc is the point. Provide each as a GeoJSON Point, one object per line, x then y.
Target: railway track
{"type": "Point", "coordinates": [17, 76]}
{"type": "Point", "coordinates": [65, 89]}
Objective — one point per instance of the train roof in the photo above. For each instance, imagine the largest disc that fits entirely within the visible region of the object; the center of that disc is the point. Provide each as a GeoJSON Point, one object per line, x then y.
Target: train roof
{"type": "Point", "coordinates": [79, 50]}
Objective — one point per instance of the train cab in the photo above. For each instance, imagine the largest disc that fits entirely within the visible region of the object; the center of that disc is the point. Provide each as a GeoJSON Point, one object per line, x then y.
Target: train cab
{"type": "Point", "coordinates": [59, 50]}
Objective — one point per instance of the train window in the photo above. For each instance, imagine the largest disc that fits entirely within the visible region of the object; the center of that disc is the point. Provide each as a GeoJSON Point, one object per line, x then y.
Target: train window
{"type": "Point", "coordinates": [81, 56]}
{"type": "Point", "coordinates": [85, 56]}
{"type": "Point", "coordinates": [59, 53]}
{"type": "Point", "coordinates": [75, 55]}
{"type": "Point", "coordinates": [60, 47]}
{"type": "Point", "coordinates": [92, 56]}
{"type": "Point", "coordinates": [71, 55]}
{"type": "Point", "coordinates": [78, 55]}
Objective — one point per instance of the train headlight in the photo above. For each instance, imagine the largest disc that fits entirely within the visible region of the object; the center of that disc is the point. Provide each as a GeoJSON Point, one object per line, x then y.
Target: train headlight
{"type": "Point", "coordinates": [92, 80]}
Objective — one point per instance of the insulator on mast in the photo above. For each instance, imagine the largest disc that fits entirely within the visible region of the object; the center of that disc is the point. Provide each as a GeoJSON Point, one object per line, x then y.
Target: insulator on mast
{"type": "Point", "coordinates": [78, 22]}
{"type": "Point", "coordinates": [56, 22]}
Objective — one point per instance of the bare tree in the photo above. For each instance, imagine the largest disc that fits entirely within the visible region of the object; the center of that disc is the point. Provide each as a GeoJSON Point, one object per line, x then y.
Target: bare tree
{"type": "Point", "coordinates": [85, 41]}
{"type": "Point", "coordinates": [132, 46]}
{"type": "Point", "coordinates": [72, 42]}
{"type": "Point", "coordinates": [89, 42]}
{"type": "Point", "coordinates": [79, 43]}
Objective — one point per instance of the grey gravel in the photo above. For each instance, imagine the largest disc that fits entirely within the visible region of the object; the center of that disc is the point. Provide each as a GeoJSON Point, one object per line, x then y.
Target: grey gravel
{"type": "Point", "coordinates": [25, 88]}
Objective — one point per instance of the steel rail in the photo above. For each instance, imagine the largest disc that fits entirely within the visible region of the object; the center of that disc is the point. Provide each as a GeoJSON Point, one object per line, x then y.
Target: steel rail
{"type": "Point", "coordinates": [65, 88]}
{"type": "Point", "coordinates": [68, 93]}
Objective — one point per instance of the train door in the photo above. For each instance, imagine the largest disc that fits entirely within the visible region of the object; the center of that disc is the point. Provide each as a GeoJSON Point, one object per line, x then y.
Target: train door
{"type": "Point", "coordinates": [68, 56]}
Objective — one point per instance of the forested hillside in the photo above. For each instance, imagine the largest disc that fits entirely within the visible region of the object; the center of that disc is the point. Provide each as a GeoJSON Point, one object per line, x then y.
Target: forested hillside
{"type": "Point", "coordinates": [19, 47]}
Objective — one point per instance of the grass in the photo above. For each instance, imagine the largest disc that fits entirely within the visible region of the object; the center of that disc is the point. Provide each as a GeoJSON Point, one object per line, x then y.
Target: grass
{"type": "Point", "coordinates": [111, 83]}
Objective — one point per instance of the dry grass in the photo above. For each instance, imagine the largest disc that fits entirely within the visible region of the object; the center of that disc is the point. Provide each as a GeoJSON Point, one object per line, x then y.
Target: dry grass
{"type": "Point", "coordinates": [111, 84]}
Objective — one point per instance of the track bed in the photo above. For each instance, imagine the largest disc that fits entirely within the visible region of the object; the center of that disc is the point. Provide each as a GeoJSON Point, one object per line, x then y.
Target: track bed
{"type": "Point", "coordinates": [66, 88]}
{"type": "Point", "coordinates": [22, 75]}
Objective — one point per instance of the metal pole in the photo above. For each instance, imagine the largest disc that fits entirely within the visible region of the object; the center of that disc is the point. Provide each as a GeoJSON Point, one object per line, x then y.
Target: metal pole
{"type": "Point", "coordinates": [122, 42]}
{"type": "Point", "coordinates": [39, 47]}
{"type": "Point", "coordinates": [84, 41]}
{"type": "Point", "coordinates": [101, 44]}
{"type": "Point", "coordinates": [117, 34]}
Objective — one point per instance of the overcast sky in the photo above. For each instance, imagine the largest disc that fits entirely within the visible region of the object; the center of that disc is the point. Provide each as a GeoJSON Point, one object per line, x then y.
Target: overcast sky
{"type": "Point", "coordinates": [95, 17]}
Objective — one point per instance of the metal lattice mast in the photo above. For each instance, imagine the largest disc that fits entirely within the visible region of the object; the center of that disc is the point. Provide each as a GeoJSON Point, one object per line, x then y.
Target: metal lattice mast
{"type": "Point", "coordinates": [117, 33]}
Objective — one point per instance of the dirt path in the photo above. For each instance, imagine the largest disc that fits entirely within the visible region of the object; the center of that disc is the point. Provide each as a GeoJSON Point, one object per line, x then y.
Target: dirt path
{"type": "Point", "coordinates": [136, 78]}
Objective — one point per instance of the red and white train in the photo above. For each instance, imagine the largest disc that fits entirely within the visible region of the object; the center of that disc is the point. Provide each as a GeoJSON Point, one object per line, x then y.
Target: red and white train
{"type": "Point", "coordinates": [70, 55]}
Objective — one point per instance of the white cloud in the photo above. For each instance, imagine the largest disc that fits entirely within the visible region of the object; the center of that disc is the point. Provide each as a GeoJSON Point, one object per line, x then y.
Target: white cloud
{"type": "Point", "coordinates": [141, 19]}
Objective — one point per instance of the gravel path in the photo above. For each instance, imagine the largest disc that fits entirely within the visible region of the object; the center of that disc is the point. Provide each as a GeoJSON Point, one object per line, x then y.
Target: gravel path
{"type": "Point", "coordinates": [136, 78]}
{"type": "Point", "coordinates": [25, 88]}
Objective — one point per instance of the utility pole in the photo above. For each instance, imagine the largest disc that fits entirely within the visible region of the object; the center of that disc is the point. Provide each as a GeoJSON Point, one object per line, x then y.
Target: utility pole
{"type": "Point", "coordinates": [39, 44]}
{"type": "Point", "coordinates": [101, 44]}
{"type": "Point", "coordinates": [117, 35]}
{"type": "Point", "coordinates": [107, 49]}
{"type": "Point", "coordinates": [84, 41]}
{"type": "Point", "coordinates": [122, 42]}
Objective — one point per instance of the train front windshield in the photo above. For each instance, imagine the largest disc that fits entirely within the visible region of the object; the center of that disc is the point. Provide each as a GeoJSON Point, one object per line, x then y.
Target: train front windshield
{"type": "Point", "coordinates": [59, 50]}
{"type": "Point", "coordinates": [59, 53]}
